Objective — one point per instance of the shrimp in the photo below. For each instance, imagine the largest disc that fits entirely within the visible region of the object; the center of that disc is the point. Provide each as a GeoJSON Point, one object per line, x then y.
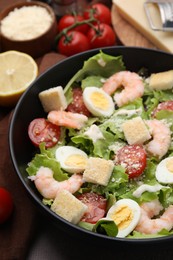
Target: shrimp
{"type": "Point", "coordinates": [132, 83]}
{"type": "Point", "coordinates": [49, 187]}
{"type": "Point", "coordinates": [147, 225]}
{"type": "Point", "coordinates": [161, 141]}
{"type": "Point", "coordinates": [68, 119]}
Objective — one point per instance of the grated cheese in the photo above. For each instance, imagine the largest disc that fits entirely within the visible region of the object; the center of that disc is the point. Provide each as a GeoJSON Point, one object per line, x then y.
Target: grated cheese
{"type": "Point", "coordinates": [26, 23]}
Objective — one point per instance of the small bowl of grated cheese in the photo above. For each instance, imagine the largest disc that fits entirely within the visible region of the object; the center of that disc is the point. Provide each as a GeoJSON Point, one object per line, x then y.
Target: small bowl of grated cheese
{"type": "Point", "coordinates": [28, 27]}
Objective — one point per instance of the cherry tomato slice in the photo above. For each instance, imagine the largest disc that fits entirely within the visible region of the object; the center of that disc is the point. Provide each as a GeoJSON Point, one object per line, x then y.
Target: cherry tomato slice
{"type": "Point", "coordinates": [6, 205]}
{"type": "Point", "coordinates": [102, 36]}
{"type": "Point", "coordinates": [40, 130]}
{"type": "Point", "coordinates": [100, 11]}
{"type": "Point", "coordinates": [133, 158]}
{"type": "Point", "coordinates": [167, 105]}
{"type": "Point", "coordinates": [77, 105]}
{"type": "Point", "coordinates": [96, 206]}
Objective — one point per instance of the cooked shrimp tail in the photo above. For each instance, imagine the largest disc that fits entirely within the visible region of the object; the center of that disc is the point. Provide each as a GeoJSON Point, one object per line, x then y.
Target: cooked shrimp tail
{"type": "Point", "coordinates": [67, 119]}
{"type": "Point", "coordinates": [161, 141]}
{"type": "Point", "coordinates": [131, 83]}
{"type": "Point", "coordinates": [149, 225]}
{"type": "Point", "coordinates": [48, 186]}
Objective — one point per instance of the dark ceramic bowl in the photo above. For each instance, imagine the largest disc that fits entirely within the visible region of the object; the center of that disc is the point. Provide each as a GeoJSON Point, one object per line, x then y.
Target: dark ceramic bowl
{"type": "Point", "coordinates": [35, 47]}
{"type": "Point", "coordinates": [29, 108]}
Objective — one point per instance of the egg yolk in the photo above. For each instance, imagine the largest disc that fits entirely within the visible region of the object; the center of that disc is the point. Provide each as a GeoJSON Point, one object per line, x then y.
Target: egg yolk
{"type": "Point", "coordinates": [169, 165]}
{"type": "Point", "coordinates": [122, 216]}
{"type": "Point", "coordinates": [99, 100]}
{"type": "Point", "coordinates": [76, 160]}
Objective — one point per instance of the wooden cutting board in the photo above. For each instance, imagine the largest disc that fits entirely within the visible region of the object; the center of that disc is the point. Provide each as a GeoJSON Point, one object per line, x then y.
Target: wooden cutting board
{"type": "Point", "coordinates": [126, 33]}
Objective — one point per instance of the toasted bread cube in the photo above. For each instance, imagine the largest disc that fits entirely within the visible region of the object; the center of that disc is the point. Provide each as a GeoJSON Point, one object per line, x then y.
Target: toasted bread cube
{"type": "Point", "coordinates": [98, 171]}
{"type": "Point", "coordinates": [53, 99]}
{"type": "Point", "coordinates": [161, 80]}
{"type": "Point", "coordinates": [135, 131]}
{"type": "Point", "coordinates": [67, 206]}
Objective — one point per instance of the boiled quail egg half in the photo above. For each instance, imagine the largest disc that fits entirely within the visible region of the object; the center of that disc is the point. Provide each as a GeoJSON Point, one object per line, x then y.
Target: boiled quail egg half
{"type": "Point", "coordinates": [98, 102]}
{"type": "Point", "coordinates": [126, 214]}
{"type": "Point", "coordinates": [164, 171]}
{"type": "Point", "coordinates": [71, 159]}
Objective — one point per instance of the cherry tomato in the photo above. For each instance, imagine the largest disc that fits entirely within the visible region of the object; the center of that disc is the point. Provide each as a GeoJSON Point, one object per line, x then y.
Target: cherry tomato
{"type": "Point", "coordinates": [40, 130]}
{"type": "Point", "coordinates": [77, 105]}
{"type": "Point", "coordinates": [6, 205]}
{"type": "Point", "coordinates": [133, 158]}
{"type": "Point", "coordinates": [101, 37]}
{"type": "Point", "coordinates": [96, 206]}
{"type": "Point", "coordinates": [74, 42]}
{"type": "Point", "coordinates": [68, 20]}
{"type": "Point", "coordinates": [100, 11]}
{"type": "Point", "coordinates": [167, 105]}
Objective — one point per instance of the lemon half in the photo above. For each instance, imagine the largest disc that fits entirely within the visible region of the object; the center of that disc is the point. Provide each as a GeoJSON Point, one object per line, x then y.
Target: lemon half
{"type": "Point", "coordinates": [17, 71]}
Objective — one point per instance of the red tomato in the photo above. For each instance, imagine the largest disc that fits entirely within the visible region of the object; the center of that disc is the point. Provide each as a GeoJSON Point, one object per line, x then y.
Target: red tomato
{"type": "Point", "coordinates": [68, 20]}
{"type": "Point", "coordinates": [100, 11]}
{"type": "Point", "coordinates": [77, 105]}
{"type": "Point", "coordinates": [40, 130]}
{"type": "Point", "coordinates": [96, 206]}
{"type": "Point", "coordinates": [167, 105]}
{"type": "Point", "coordinates": [74, 42]}
{"type": "Point", "coordinates": [101, 37]}
{"type": "Point", "coordinates": [6, 205]}
{"type": "Point", "coordinates": [133, 158]}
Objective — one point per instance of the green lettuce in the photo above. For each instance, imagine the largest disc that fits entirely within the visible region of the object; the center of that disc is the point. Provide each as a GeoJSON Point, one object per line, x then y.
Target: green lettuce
{"type": "Point", "coordinates": [98, 66]}
{"type": "Point", "coordinates": [47, 159]}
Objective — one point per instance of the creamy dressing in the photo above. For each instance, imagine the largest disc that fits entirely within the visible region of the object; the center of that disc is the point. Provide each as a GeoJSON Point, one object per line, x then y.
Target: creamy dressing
{"type": "Point", "coordinates": [128, 112]}
{"type": "Point", "coordinates": [94, 133]}
{"type": "Point", "coordinates": [145, 187]}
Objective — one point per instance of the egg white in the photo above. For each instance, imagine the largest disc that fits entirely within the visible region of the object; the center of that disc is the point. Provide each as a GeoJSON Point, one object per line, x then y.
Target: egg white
{"type": "Point", "coordinates": [163, 173]}
{"type": "Point", "coordinates": [71, 159]}
{"type": "Point", "coordinates": [119, 213]}
{"type": "Point", "coordinates": [98, 102]}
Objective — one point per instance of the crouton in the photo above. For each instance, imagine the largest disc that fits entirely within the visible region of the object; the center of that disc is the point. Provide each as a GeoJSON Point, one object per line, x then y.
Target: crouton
{"type": "Point", "coordinates": [161, 80]}
{"type": "Point", "coordinates": [135, 131]}
{"type": "Point", "coordinates": [98, 171]}
{"type": "Point", "coordinates": [53, 99]}
{"type": "Point", "coordinates": [67, 206]}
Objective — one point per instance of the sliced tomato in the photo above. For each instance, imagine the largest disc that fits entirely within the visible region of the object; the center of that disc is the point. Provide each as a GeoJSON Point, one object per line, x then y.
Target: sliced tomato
{"type": "Point", "coordinates": [133, 158]}
{"type": "Point", "coordinates": [96, 206]}
{"type": "Point", "coordinates": [167, 105]}
{"type": "Point", "coordinates": [77, 105]}
{"type": "Point", "coordinates": [6, 205]}
{"type": "Point", "coordinates": [40, 130]}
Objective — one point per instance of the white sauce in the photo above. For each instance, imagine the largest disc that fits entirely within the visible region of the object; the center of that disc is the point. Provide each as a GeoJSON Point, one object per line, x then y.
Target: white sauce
{"type": "Point", "coordinates": [94, 133]}
{"type": "Point", "coordinates": [129, 112]}
{"type": "Point", "coordinates": [145, 187]}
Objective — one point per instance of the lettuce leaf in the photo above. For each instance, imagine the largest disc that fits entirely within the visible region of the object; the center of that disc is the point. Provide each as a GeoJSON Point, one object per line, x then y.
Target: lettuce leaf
{"type": "Point", "coordinates": [46, 159]}
{"type": "Point", "coordinates": [138, 235]}
{"type": "Point", "coordinates": [100, 65]}
{"type": "Point", "coordinates": [106, 227]}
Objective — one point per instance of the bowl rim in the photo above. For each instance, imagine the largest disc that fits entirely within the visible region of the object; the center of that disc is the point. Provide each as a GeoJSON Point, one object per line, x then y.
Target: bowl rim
{"type": "Point", "coordinates": [4, 13]}
{"type": "Point", "coordinates": [81, 231]}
